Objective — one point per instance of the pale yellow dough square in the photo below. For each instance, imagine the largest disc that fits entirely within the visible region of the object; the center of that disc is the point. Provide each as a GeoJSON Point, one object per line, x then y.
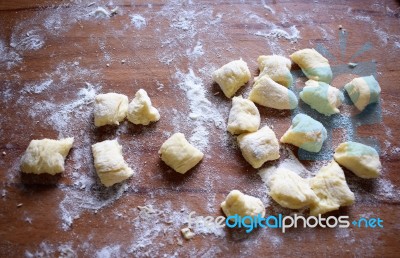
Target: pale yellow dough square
{"type": "Point", "coordinates": [110, 109]}
{"type": "Point", "coordinates": [242, 204]}
{"type": "Point", "coordinates": [179, 154]}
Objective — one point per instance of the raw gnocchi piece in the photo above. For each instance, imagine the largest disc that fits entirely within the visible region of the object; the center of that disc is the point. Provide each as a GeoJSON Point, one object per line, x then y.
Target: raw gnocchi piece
{"type": "Point", "coordinates": [277, 68]}
{"type": "Point", "coordinates": [305, 133]}
{"type": "Point", "coordinates": [331, 188]}
{"type": "Point", "coordinates": [363, 91]}
{"type": "Point", "coordinates": [243, 117]}
{"type": "Point", "coordinates": [242, 204]}
{"type": "Point", "coordinates": [322, 97]}
{"type": "Point", "coordinates": [290, 190]}
{"type": "Point", "coordinates": [259, 147]}
{"type": "Point", "coordinates": [313, 64]}
{"type": "Point", "coordinates": [46, 156]}
{"type": "Point", "coordinates": [268, 93]}
{"type": "Point", "coordinates": [361, 159]}
{"type": "Point", "coordinates": [179, 154]}
{"type": "Point", "coordinates": [110, 109]}
{"type": "Point", "coordinates": [232, 76]}
{"type": "Point", "coordinates": [109, 162]}
{"type": "Point", "coordinates": [141, 111]}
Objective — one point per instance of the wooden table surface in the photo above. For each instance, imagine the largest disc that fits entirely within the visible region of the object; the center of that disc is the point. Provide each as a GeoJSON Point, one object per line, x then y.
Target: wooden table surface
{"type": "Point", "coordinates": [55, 56]}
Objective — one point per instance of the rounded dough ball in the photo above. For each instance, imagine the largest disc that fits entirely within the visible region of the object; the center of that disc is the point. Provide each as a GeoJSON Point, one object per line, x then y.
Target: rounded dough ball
{"type": "Point", "coordinates": [331, 188]}
{"type": "Point", "coordinates": [141, 111]}
{"type": "Point", "coordinates": [322, 97]}
{"type": "Point", "coordinates": [243, 205]}
{"type": "Point", "coordinates": [110, 109]}
{"type": "Point", "coordinates": [259, 147]}
{"type": "Point", "coordinates": [313, 64]}
{"type": "Point", "coordinates": [268, 93]}
{"type": "Point", "coordinates": [243, 116]}
{"type": "Point", "coordinates": [361, 159]}
{"type": "Point", "coordinates": [277, 68]}
{"type": "Point", "coordinates": [290, 190]}
{"type": "Point", "coordinates": [363, 91]}
{"type": "Point", "coordinates": [306, 133]}
{"type": "Point", "coordinates": [232, 76]}
{"type": "Point", "coordinates": [46, 156]}
{"type": "Point", "coordinates": [179, 154]}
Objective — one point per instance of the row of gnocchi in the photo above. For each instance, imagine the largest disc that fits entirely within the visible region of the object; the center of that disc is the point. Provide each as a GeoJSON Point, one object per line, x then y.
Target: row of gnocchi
{"type": "Point", "coordinates": [328, 190]}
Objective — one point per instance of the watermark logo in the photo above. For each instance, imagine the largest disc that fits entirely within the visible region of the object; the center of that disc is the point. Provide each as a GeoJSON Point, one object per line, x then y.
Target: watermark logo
{"type": "Point", "coordinates": [281, 222]}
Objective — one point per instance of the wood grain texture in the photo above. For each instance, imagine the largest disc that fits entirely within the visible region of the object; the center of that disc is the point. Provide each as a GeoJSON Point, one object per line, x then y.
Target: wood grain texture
{"type": "Point", "coordinates": [59, 43]}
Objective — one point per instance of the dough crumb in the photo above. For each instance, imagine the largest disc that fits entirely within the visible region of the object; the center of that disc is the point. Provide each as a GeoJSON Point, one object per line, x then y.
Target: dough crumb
{"type": "Point", "coordinates": [187, 233]}
{"type": "Point", "coordinates": [19, 205]}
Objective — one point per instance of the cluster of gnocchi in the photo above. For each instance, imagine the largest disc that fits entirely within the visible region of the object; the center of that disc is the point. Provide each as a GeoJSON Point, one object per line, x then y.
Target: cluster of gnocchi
{"type": "Point", "coordinates": [325, 192]}
{"type": "Point", "coordinates": [328, 190]}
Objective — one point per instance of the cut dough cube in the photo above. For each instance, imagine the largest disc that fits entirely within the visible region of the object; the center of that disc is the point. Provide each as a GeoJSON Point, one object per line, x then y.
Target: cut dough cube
{"type": "Point", "coordinates": [110, 109]}
{"type": "Point", "coordinates": [361, 159]}
{"type": "Point", "coordinates": [331, 188]}
{"type": "Point", "coordinates": [290, 190]}
{"type": "Point", "coordinates": [141, 111]}
{"type": "Point", "coordinates": [277, 68]}
{"type": "Point", "coordinates": [306, 133]}
{"type": "Point", "coordinates": [232, 76]}
{"type": "Point", "coordinates": [313, 64]}
{"type": "Point", "coordinates": [322, 97]}
{"type": "Point", "coordinates": [268, 93]}
{"type": "Point", "coordinates": [242, 204]}
{"type": "Point", "coordinates": [259, 147]}
{"type": "Point", "coordinates": [363, 91]}
{"type": "Point", "coordinates": [179, 154]}
{"type": "Point", "coordinates": [243, 117]}
{"type": "Point", "coordinates": [109, 162]}
{"type": "Point", "coordinates": [46, 156]}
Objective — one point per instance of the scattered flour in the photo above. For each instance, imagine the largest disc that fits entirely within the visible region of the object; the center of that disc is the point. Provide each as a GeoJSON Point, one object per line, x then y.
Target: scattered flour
{"type": "Point", "coordinates": [138, 21]}
{"type": "Point", "coordinates": [202, 112]}
{"type": "Point", "coordinates": [37, 88]}
{"type": "Point", "coordinates": [25, 40]}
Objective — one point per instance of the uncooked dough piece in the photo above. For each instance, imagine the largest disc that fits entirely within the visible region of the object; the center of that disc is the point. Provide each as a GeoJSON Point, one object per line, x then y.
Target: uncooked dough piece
{"type": "Point", "coordinates": [313, 64]}
{"type": "Point", "coordinates": [363, 91]}
{"type": "Point", "coordinates": [110, 109]}
{"type": "Point", "coordinates": [331, 188]}
{"type": "Point", "coordinates": [179, 154]}
{"type": "Point", "coordinates": [290, 190]}
{"type": "Point", "coordinates": [277, 68]}
{"type": "Point", "coordinates": [242, 204]}
{"type": "Point", "coordinates": [232, 76]}
{"type": "Point", "coordinates": [109, 162]}
{"type": "Point", "coordinates": [268, 93]}
{"type": "Point", "coordinates": [141, 111]}
{"type": "Point", "coordinates": [322, 97]}
{"type": "Point", "coordinates": [305, 133]}
{"type": "Point", "coordinates": [243, 117]}
{"type": "Point", "coordinates": [46, 156]}
{"type": "Point", "coordinates": [361, 159]}
{"type": "Point", "coordinates": [259, 147]}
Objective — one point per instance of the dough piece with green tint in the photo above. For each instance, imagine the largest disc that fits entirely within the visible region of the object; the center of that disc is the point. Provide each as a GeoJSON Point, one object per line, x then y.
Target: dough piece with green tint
{"type": "Point", "coordinates": [232, 76]}
{"type": "Point", "coordinates": [322, 97]}
{"type": "Point", "coordinates": [289, 190]}
{"type": "Point", "coordinates": [242, 204]}
{"type": "Point", "coordinates": [46, 156]}
{"type": "Point", "coordinates": [361, 159]}
{"type": "Point", "coordinates": [363, 91]}
{"type": "Point", "coordinates": [109, 162]}
{"type": "Point", "coordinates": [179, 154]}
{"type": "Point", "coordinates": [243, 117]}
{"type": "Point", "coordinates": [110, 109]}
{"type": "Point", "coordinates": [331, 188]}
{"type": "Point", "coordinates": [259, 147]}
{"type": "Point", "coordinates": [141, 111]}
{"type": "Point", "coordinates": [268, 93]}
{"type": "Point", "coordinates": [306, 133]}
{"type": "Point", "coordinates": [277, 68]}
{"type": "Point", "coordinates": [313, 64]}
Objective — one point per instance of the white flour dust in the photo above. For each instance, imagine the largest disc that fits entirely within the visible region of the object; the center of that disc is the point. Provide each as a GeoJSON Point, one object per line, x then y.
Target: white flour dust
{"type": "Point", "coordinates": [138, 21]}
